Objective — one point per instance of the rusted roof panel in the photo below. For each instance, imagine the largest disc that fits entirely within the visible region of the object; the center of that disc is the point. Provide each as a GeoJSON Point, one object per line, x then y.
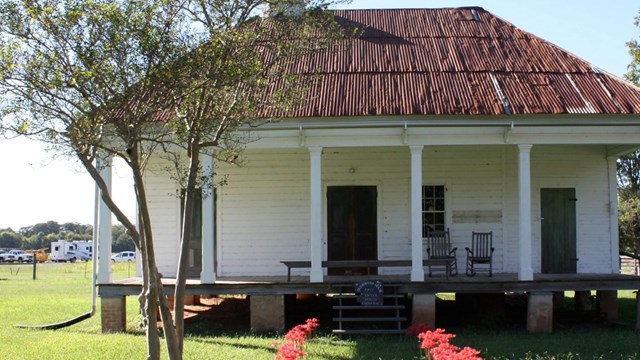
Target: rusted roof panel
{"type": "Point", "coordinates": [456, 61]}
{"type": "Point", "coordinates": [440, 55]}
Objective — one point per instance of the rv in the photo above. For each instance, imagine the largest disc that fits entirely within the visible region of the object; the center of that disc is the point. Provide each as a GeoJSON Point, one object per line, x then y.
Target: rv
{"type": "Point", "coordinates": [84, 248]}
{"type": "Point", "coordinates": [63, 251]}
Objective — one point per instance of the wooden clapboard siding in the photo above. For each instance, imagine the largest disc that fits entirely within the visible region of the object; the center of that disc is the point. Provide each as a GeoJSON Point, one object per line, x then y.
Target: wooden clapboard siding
{"type": "Point", "coordinates": [164, 208]}
{"type": "Point", "coordinates": [263, 213]}
{"type": "Point", "coordinates": [388, 169]}
{"type": "Point", "coordinates": [474, 181]}
{"type": "Point", "coordinates": [251, 189]}
{"type": "Point", "coordinates": [584, 168]}
{"type": "Point", "coordinates": [581, 167]}
{"type": "Point", "coordinates": [263, 210]}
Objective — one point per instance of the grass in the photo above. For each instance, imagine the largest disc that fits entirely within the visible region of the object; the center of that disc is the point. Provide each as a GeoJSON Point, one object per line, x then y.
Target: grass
{"type": "Point", "coordinates": [63, 291]}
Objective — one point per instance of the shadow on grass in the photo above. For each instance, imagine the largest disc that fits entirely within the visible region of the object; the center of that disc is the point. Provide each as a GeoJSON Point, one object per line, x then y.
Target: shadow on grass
{"type": "Point", "coordinates": [495, 325]}
{"type": "Point", "coordinates": [321, 346]}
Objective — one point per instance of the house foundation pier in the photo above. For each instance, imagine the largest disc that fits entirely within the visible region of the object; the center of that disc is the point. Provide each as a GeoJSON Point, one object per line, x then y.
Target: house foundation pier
{"type": "Point", "coordinates": [540, 312]}
{"type": "Point", "coordinates": [267, 312]}
{"type": "Point", "coordinates": [424, 309]}
{"type": "Point", "coordinates": [113, 314]}
{"type": "Point", "coordinates": [607, 301]}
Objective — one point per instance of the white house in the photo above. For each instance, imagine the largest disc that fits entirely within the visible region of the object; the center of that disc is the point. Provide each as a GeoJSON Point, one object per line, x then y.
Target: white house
{"type": "Point", "coordinates": [433, 118]}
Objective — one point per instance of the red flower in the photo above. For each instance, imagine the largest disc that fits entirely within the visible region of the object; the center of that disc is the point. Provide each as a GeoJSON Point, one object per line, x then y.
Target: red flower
{"type": "Point", "coordinates": [437, 347]}
{"type": "Point", "coordinates": [431, 339]}
{"type": "Point", "coordinates": [296, 334]}
{"type": "Point", "coordinates": [468, 353]}
{"type": "Point", "coordinates": [294, 340]}
{"type": "Point", "coordinates": [289, 351]}
{"type": "Point", "coordinates": [311, 325]}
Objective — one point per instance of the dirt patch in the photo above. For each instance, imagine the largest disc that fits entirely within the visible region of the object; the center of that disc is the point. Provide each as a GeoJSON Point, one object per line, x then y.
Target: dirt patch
{"type": "Point", "coordinates": [232, 314]}
{"type": "Point", "coordinates": [218, 313]}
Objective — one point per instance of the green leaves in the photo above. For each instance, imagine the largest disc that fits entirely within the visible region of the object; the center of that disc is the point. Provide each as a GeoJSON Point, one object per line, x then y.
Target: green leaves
{"type": "Point", "coordinates": [633, 73]}
{"type": "Point", "coordinates": [23, 128]}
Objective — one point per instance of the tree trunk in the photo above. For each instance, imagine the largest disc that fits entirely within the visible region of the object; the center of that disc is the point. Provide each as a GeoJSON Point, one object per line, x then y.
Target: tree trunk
{"type": "Point", "coordinates": [149, 305]}
{"type": "Point", "coordinates": [155, 294]}
{"type": "Point", "coordinates": [150, 292]}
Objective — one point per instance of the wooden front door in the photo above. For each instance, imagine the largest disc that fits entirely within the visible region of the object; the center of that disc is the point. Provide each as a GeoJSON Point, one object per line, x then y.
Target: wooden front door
{"type": "Point", "coordinates": [351, 226]}
{"type": "Point", "coordinates": [558, 222]}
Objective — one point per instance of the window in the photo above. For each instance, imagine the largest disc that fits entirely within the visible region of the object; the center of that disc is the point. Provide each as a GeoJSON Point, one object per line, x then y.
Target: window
{"type": "Point", "coordinates": [433, 210]}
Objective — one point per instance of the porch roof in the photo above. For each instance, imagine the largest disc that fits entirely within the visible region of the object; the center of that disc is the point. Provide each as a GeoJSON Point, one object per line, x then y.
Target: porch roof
{"type": "Point", "coordinates": [453, 61]}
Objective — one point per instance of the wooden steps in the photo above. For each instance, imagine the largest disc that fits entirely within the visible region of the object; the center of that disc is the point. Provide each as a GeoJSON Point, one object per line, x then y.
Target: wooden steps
{"type": "Point", "coordinates": [365, 307]}
{"type": "Point", "coordinates": [354, 316]}
{"type": "Point", "coordinates": [369, 319]}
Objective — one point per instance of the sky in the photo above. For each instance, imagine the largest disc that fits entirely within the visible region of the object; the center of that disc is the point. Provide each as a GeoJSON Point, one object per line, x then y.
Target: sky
{"type": "Point", "coordinates": [35, 187]}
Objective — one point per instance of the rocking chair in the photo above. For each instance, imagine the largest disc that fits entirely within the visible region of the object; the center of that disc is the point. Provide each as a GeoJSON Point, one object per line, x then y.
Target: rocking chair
{"type": "Point", "coordinates": [439, 248]}
{"type": "Point", "coordinates": [480, 253]}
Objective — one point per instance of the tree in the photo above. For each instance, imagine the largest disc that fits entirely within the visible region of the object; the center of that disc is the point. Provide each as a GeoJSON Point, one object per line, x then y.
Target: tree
{"type": "Point", "coordinates": [50, 227]}
{"type": "Point", "coordinates": [130, 79]}
{"type": "Point", "coordinates": [77, 74]}
{"type": "Point", "coordinates": [633, 68]}
{"type": "Point", "coordinates": [629, 223]}
{"type": "Point", "coordinates": [230, 85]}
{"type": "Point", "coordinates": [121, 240]}
{"type": "Point", "coordinates": [77, 228]}
{"type": "Point", "coordinates": [10, 240]}
{"type": "Point", "coordinates": [629, 171]}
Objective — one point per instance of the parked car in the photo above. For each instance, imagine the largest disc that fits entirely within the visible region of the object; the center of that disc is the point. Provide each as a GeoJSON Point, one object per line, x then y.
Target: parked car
{"type": "Point", "coordinates": [7, 257]}
{"type": "Point", "coordinates": [124, 256]}
{"type": "Point", "coordinates": [21, 256]}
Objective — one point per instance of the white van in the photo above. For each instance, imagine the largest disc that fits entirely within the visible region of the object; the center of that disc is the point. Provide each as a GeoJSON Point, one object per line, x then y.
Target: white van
{"type": "Point", "coordinates": [124, 256]}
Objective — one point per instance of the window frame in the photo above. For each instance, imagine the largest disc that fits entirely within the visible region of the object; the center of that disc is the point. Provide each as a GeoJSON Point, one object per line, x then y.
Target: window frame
{"type": "Point", "coordinates": [438, 199]}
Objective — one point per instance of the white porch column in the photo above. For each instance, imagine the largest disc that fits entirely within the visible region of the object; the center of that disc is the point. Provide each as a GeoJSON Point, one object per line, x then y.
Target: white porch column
{"type": "Point", "coordinates": [315, 231]}
{"type": "Point", "coordinates": [417, 270]}
{"type": "Point", "coordinates": [105, 275]}
{"type": "Point", "coordinates": [208, 274]}
{"type": "Point", "coordinates": [613, 214]}
{"type": "Point", "coordinates": [525, 271]}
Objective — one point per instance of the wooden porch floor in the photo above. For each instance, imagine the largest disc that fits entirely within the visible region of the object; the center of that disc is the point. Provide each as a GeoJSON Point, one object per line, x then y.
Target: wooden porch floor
{"type": "Point", "coordinates": [499, 283]}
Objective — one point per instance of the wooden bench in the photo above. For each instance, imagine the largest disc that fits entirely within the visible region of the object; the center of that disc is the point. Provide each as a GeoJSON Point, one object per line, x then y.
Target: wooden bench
{"type": "Point", "coordinates": [368, 264]}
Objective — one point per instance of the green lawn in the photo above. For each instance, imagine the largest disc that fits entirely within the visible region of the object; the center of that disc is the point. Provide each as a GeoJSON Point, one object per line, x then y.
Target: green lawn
{"type": "Point", "coordinates": [63, 291]}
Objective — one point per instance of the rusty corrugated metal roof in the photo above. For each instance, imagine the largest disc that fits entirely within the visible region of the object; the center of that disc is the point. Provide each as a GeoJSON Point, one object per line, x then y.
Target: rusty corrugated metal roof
{"type": "Point", "coordinates": [455, 61]}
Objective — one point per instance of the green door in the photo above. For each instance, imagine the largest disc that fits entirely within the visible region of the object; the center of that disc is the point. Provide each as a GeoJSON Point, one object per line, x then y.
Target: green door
{"type": "Point", "coordinates": [195, 242]}
{"type": "Point", "coordinates": [558, 222]}
{"type": "Point", "coordinates": [351, 225]}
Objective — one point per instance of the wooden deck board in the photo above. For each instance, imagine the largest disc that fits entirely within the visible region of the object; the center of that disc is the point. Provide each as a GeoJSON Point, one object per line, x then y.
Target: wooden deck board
{"type": "Point", "coordinates": [278, 285]}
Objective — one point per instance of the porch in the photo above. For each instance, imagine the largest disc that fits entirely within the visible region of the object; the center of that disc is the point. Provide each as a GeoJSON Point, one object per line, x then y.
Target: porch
{"type": "Point", "coordinates": [268, 306]}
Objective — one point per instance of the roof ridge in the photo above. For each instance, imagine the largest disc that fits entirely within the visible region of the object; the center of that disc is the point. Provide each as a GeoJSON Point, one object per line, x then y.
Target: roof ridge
{"type": "Point", "coordinates": [407, 8]}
